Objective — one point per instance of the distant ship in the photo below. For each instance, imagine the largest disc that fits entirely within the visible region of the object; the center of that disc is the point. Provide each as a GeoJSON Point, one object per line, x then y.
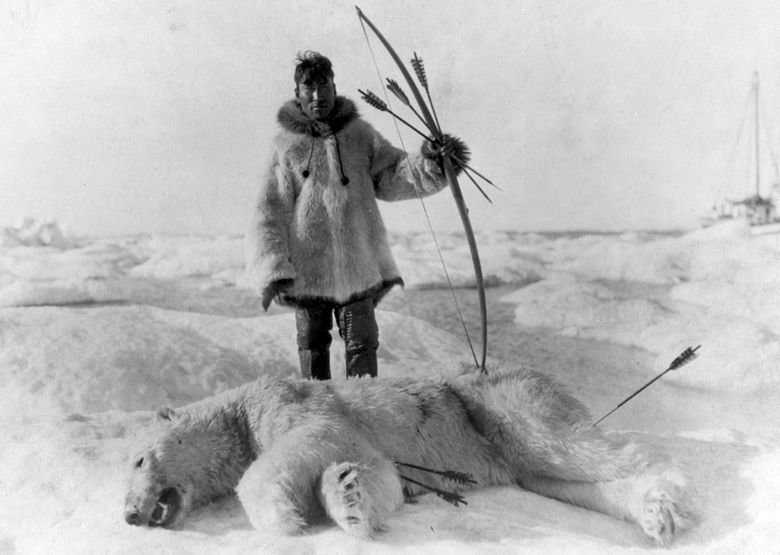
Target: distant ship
{"type": "Point", "coordinates": [757, 209]}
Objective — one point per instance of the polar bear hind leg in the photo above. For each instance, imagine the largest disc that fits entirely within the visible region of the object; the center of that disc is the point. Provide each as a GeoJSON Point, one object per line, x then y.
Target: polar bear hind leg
{"type": "Point", "coordinates": [662, 503]}
{"type": "Point", "coordinates": [548, 438]}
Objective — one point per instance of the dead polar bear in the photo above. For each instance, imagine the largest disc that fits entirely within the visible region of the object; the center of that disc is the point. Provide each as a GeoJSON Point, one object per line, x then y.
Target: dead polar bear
{"type": "Point", "coordinates": [298, 450]}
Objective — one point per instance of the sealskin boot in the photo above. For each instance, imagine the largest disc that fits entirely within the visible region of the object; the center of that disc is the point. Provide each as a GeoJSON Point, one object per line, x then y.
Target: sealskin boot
{"type": "Point", "coordinates": [315, 364]}
{"type": "Point", "coordinates": [358, 328]}
{"type": "Point", "coordinates": [361, 363]}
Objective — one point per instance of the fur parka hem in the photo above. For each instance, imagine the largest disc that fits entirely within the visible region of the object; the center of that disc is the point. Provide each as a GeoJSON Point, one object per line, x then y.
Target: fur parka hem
{"type": "Point", "coordinates": [316, 220]}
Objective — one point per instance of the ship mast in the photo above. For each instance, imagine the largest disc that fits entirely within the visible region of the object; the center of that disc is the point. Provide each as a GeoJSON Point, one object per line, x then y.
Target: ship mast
{"type": "Point", "coordinates": [758, 134]}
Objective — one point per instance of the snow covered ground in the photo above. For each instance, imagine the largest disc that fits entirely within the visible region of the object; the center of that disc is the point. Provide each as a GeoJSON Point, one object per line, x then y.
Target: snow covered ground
{"type": "Point", "coordinates": [95, 333]}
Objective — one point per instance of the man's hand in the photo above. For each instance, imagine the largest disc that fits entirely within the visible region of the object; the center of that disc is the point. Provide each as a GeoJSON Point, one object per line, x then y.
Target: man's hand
{"type": "Point", "coordinates": [275, 289]}
{"type": "Point", "coordinates": [448, 145]}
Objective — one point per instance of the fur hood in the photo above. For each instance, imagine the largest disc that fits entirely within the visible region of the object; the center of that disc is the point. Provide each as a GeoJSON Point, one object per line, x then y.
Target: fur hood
{"type": "Point", "coordinates": [292, 118]}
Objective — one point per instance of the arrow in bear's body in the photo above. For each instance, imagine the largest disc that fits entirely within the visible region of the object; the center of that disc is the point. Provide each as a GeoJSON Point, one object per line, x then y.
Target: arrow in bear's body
{"type": "Point", "coordinates": [684, 358]}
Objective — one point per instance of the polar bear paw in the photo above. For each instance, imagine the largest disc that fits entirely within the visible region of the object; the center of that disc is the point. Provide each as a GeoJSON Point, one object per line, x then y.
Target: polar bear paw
{"type": "Point", "coordinates": [657, 518]}
{"type": "Point", "coordinates": [667, 508]}
{"type": "Point", "coordinates": [345, 499]}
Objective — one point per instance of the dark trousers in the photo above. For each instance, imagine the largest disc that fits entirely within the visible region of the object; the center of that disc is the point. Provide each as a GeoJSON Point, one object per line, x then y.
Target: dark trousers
{"type": "Point", "coordinates": [357, 327]}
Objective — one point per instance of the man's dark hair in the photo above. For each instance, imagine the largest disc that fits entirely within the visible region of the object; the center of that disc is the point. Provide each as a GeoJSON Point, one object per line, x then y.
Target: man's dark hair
{"type": "Point", "coordinates": [312, 65]}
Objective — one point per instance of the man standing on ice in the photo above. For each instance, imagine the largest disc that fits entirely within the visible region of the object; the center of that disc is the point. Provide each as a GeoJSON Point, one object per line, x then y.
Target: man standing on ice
{"type": "Point", "coordinates": [317, 240]}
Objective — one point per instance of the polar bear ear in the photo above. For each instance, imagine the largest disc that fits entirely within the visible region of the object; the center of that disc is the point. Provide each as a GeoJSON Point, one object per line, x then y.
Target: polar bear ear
{"type": "Point", "coordinates": [166, 414]}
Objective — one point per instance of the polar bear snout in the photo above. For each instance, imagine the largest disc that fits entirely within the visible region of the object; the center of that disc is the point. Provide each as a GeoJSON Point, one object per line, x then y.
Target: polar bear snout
{"type": "Point", "coordinates": [133, 517]}
{"type": "Point", "coordinates": [133, 514]}
{"type": "Point", "coordinates": [162, 510]}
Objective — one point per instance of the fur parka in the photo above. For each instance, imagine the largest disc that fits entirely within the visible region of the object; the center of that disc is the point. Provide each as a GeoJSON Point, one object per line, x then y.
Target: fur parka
{"type": "Point", "coordinates": [316, 220]}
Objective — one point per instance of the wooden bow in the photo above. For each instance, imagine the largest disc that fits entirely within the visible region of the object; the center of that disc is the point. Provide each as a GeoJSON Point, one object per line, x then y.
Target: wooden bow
{"type": "Point", "coordinates": [432, 124]}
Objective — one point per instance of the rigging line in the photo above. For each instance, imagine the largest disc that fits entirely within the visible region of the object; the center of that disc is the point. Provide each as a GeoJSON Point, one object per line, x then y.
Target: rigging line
{"type": "Point", "coordinates": [768, 132]}
{"type": "Point", "coordinates": [422, 203]}
{"type": "Point", "coordinates": [731, 177]}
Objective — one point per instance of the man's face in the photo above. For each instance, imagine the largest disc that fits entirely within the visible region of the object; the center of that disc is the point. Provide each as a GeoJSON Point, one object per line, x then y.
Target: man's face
{"type": "Point", "coordinates": [317, 95]}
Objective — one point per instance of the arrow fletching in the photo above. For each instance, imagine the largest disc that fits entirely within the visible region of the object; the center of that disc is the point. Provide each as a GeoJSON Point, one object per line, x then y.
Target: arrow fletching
{"type": "Point", "coordinates": [395, 88]}
{"type": "Point", "coordinates": [373, 100]}
{"type": "Point", "coordinates": [685, 357]}
{"type": "Point", "coordinates": [419, 70]}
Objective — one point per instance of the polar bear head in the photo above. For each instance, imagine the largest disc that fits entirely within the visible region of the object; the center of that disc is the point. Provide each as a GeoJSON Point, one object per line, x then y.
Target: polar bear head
{"type": "Point", "coordinates": [160, 491]}
{"type": "Point", "coordinates": [193, 458]}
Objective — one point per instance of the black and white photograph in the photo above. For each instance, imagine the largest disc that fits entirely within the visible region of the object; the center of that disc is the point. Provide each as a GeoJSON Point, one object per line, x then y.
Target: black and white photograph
{"type": "Point", "coordinates": [380, 277]}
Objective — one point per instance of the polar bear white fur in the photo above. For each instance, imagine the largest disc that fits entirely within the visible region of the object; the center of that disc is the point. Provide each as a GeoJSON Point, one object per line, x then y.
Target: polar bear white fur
{"type": "Point", "coordinates": [297, 451]}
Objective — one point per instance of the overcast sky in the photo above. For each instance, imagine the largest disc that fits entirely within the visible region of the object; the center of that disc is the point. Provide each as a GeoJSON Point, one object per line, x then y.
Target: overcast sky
{"type": "Point", "coordinates": [157, 115]}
